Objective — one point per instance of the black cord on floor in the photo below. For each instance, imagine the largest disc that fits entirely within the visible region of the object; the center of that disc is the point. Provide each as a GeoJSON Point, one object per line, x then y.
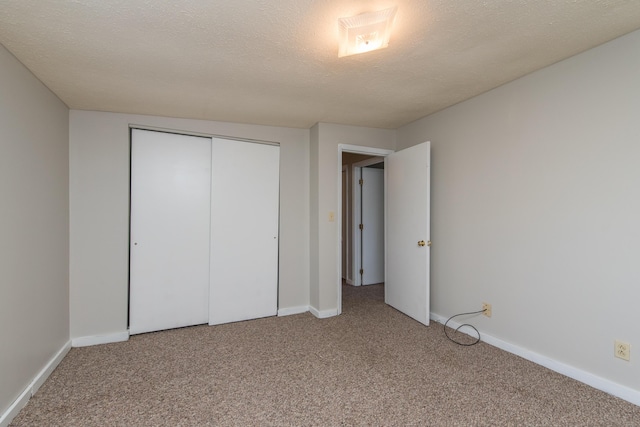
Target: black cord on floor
{"type": "Point", "coordinates": [464, 324]}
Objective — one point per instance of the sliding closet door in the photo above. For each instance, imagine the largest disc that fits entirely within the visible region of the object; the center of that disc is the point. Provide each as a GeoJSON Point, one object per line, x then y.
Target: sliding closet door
{"type": "Point", "coordinates": [169, 244]}
{"type": "Point", "coordinates": [244, 231]}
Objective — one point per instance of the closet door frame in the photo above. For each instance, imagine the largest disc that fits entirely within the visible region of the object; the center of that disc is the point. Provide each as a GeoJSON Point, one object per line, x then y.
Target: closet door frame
{"type": "Point", "coordinates": [252, 276]}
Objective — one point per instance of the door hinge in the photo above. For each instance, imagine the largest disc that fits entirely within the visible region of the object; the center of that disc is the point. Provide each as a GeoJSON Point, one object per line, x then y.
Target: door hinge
{"type": "Point", "coordinates": [361, 226]}
{"type": "Point", "coordinates": [361, 181]}
{"type": "Point", "coordinates": [361, 272]}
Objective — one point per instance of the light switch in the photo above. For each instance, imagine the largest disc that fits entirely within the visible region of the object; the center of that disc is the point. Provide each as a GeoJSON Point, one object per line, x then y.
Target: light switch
{"type": "Point", "coordinates": [332, 216]}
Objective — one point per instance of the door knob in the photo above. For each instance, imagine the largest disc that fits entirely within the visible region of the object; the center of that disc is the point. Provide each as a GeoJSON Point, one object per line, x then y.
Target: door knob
{"type": "Point", "coordinates": [421, 243]}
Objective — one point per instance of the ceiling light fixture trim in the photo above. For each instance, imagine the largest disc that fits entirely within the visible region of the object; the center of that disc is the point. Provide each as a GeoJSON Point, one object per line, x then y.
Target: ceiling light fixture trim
{"type": "Point", "coordinates": [365, 32]}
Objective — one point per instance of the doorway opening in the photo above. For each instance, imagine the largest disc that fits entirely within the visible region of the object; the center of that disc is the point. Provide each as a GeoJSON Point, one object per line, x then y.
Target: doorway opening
{"type": "Point", "coordinates": [406, 227]}
{"type": "Point", "coordinates": [352, 160]}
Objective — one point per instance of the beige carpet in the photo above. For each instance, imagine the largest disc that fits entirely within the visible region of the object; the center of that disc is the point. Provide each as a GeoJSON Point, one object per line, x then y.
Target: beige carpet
{"type": "Point", "coordinates": [370, 366]}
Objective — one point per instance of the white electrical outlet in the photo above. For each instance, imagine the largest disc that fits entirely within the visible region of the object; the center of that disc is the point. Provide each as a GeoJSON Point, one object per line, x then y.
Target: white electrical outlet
{"type": "Point", "coordinates": [622, 350]}
{"type": "Point", "coordinates": [487, 309]}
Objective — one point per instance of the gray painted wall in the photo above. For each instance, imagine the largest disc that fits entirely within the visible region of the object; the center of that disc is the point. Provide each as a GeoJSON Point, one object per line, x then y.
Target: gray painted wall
{"type": "Point", "coordinates": [99, 205]}
{"type": "Point", "coordinates": [34, 227]}
{"type": "Point", "coordinates": [536, 209]}
{"type": "Point", "coordinates": [325, 178]}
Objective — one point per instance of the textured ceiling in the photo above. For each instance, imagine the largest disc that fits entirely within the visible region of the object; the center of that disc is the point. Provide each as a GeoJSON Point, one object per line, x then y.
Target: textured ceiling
{"type": "Point", "coordinates": [275, 62]}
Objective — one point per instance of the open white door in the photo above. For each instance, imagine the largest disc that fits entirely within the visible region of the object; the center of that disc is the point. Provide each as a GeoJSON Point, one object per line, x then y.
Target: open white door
{"type": "Point", "coordinates": [169, 243]}
{"type": "Point", "coordinates": [407, 235]}
{"type": "Point", "coordinates": [245, 190]}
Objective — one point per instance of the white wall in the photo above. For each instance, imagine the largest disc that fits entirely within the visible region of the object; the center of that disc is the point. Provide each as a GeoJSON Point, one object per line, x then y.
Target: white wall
{"type": "Point", "coordinates": [325, 174]}
{"type": "Point", "coordinates": [536, 209]}
{"type": "Point", "coordinates": [34, 227]}
{"type": "Point", "coordinates": [99, 208]}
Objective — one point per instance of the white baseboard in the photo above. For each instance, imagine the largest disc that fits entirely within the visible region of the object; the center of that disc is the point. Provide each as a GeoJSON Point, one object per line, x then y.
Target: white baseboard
{"type": "Point", "coordinates": [349, 282]}
{"type": "Point", "coordinates": [323, 314]}
{"type": "Point", "coordinates": [608, 386]}
{"type": "Point", "coordinates": [292, 310]}
{"type": "Point", "coordinates": [100, 339]}
{"type": "Point", "coordinates": [33, 386]}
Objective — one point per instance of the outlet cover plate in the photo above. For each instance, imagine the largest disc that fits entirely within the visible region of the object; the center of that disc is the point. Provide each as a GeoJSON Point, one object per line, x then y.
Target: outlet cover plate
{"type": "Point", "coordinates": [622, 350]}
{"type": "Point", "coordinates": [487, 309]}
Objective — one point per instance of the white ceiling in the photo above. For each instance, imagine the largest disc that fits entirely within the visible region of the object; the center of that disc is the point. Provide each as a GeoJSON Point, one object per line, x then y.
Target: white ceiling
{"type": "Point", "coordinates": [275, 62]}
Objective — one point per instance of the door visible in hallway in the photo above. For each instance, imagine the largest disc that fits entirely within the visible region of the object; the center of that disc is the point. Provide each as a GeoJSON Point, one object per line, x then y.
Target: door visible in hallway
{"type": "Point", "coordinates": [372, 231]}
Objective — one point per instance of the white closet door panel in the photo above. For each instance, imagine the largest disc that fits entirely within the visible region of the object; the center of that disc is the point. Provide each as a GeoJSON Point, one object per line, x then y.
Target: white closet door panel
{"type": "Point", "coordinates": [244, 231]}
{"type": "Point", "coordinates": [170, 207]}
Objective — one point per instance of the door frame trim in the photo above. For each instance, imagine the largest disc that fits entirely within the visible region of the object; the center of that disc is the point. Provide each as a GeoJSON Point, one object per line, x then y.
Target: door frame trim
{"type": "Point", "coordinates": [356, 149]}
{"type": "Point", "coordinates": [203, 134]}
{"type": "Point", "coordinates": [344, 235]}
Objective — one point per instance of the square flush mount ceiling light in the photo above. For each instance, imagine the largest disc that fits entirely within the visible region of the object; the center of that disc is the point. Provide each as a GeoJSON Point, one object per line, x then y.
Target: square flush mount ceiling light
{"type": "Point", "coordinates": [365, 32]}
